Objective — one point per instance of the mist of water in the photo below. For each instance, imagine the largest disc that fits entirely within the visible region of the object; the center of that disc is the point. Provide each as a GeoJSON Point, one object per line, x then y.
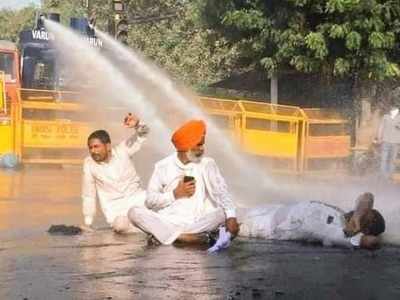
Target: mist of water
{"type": "Point", "coordinates": [141, 86]}
{"type": "Point", "coordinates": [108, 85]}
{"type": "Point", "coordinates": [185, 104]}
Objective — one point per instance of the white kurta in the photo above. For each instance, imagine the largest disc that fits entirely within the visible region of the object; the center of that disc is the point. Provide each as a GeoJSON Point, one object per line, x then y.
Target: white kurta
{"type": "Point", "coordinates": [308, 221]}
{"type": "Point", "coordinates": [115, 183]}
{"type": "Point", "coordinates": [166, 217]}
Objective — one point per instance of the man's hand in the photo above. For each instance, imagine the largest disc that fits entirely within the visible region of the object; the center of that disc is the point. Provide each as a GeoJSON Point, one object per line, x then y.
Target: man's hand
{"type": "Point", "coordinates": [232, 226]}
{"type": "Point", "coordinates": [352, 227]}
{"type": "Point", "coordinates": [185, 189]}
{"type": "Point", "coordinates": [142, 130]}
{"type": "Point", "coordinates": [369, 242]}
{"type": "Point", "coordinates": [131, 121]}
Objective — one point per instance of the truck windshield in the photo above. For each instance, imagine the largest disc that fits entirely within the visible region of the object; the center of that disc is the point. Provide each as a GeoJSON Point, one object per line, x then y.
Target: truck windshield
{"type": "Point", "coordinates": [7, 66]}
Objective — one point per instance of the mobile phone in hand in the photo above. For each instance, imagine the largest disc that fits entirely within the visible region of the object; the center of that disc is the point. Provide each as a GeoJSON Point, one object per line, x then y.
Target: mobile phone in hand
{"type": "Point", "coordinates": [188, 178]}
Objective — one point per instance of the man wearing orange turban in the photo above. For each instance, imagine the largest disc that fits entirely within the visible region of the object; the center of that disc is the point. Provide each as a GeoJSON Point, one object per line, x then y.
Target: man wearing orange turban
{"type": "Point", "coordinates": [187, 194]}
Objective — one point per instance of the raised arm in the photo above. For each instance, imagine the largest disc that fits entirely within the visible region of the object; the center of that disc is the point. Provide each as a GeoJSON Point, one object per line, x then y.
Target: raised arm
{"type": "Point", "coordinates": [140, 130]}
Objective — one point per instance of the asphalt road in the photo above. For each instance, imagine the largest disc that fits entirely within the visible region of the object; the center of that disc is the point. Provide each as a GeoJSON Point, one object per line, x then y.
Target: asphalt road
{"type": "Point", "coordinates": [102, 265]}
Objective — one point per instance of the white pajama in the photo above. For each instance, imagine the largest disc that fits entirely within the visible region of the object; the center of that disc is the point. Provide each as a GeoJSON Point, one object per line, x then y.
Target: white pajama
{"type": "Point", "coordinates": [166, 217]}
{"type": "Point", "coordinates": [308, 221]}
{"type": "Point", "coordinates": [167, 232]}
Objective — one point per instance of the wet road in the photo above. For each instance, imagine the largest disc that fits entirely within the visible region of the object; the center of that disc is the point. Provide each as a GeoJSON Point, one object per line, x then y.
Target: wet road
{"type": "Point", "coordinates": [102, 265]}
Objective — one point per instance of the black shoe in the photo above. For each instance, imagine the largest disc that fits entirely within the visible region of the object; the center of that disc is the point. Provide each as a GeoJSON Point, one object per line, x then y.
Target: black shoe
{"type": "Point", "coordinates": [152, 241]}
{"type": "Point", "coordinates": [212, 237]}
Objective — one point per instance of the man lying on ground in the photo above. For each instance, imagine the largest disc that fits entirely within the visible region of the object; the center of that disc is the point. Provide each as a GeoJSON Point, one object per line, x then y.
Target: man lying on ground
{"type": "Point", "coordinates": [316, 222]}
{"type": "Point", "coordinates": [110, 176]}
{"type": "Point", "coordinates": [187, 194]}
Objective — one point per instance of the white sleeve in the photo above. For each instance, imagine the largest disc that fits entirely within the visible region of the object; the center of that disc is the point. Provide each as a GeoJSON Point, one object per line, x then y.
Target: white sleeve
{"type": "Point", "coordinates": [356, 239]}
{"type": "Point", "coordinates": [218, 189]}
{"type": "Point", "coordinates": [88, 195]}
{"type": "Point", "coordinates": [132, 144]}
{"type": "Point", "coordinates": [339, 239]}
{"type": "Point", "coordinates": [157, 198]}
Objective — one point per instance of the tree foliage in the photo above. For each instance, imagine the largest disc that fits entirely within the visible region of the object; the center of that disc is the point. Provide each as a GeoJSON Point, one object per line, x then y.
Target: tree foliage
{"type": "Point", "coordinates": [205, 40]}
{"type": "Point", "coordinates": [191, 53]}
{"type": "Point", "coordinates": [195, 55]}
{"type": "Point", "coordinates": [334, 37]}
{"type": "Point", "coordinates": [13, 22]}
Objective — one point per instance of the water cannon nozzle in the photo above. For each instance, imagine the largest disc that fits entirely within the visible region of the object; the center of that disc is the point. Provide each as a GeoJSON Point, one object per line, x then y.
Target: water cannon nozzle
{"type": "Point", "coordinates": [92, 20]}
{"type": "Point", "coordinates": [40, 21]}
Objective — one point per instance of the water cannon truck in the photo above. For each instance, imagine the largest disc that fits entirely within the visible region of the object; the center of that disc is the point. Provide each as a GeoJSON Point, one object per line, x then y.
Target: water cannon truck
{"type": "Point", "coordinates": [38, 108]}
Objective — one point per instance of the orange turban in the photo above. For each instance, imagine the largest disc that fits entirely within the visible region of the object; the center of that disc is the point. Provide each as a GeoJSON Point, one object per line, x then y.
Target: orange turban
{"type": "Point", "coordinates": [189, 135]}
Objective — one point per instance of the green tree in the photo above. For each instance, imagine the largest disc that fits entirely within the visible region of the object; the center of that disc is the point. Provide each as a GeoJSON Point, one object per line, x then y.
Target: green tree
{"type": "Point", "coordinates": [195, 55]}
{"type": "Point", "coordinates": [332, 37]}
{"type": "Point", "coordinates": [189, 52]}
{"type": "Point", "coordinates": [12, 22]}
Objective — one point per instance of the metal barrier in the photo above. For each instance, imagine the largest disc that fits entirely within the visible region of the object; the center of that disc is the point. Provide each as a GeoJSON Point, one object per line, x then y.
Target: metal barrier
{"type": "Point", "coordinates": [273, 133]}
{"type": "Point", "coordinates": [3, 106]}
{"type": "Point", "coordinates": [226, 114]}
{"type": "Point", "coordinates": [6, 122]}
{"type": "Point", "coordinates": [50, 131]}
{"type": "Point", "coordinates": [327, 141]}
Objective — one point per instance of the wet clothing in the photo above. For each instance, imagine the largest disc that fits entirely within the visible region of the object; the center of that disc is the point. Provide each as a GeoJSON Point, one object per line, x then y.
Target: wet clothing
{"type": "Point", "coordinates": [165, 231]}
{"type": "Point", "coordinates": [389, 129]}
{"type": "Point", "coordinates": [389, 134]}
{"type": "Point", "coordinates": [308, 221]}
{"type": "Point", "coordinates": [167, 217]}
{"type": "Point", "coordinates": [389, 153]}
{"type": "Point", "coordinates": [115, 183]}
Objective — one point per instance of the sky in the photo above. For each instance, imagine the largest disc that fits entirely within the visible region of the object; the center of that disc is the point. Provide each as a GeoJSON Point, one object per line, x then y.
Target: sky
{"type": "Point", "coordinates": [16, 4]}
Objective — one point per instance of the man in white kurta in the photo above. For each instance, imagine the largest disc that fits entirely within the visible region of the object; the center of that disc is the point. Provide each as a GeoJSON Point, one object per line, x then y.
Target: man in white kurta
{"type": "Point", "coordinates": [315, 222]}
{"type": "Point", "coordinates": [110, 176]}
{"type": "Point", "coordinates": [179, 206]}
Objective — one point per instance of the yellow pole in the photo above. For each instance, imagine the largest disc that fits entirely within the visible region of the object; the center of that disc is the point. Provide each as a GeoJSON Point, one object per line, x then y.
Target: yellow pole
{"type": "Point", "coordinates": [17, 126]}
{"type": "Point", "coordinates": [3, 106]}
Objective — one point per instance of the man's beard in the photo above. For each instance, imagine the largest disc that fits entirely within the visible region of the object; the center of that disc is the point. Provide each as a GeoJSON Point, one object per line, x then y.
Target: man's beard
{"type": "Point", "coordinates": [193, 157]}
{"type": "Point", "coordinates": [99, 157]}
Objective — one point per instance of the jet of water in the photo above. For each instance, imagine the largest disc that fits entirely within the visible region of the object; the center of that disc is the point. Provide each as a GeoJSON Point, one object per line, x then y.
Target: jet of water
{"type": "Point", "coordinates": [110, 84]}
{"type": "Point", "coordinates": [222, 143]}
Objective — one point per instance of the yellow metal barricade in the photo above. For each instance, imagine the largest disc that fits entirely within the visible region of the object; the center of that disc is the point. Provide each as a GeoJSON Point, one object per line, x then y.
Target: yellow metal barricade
{"type": "Point", "coordinates": [50, 129]}
{"type": "Point", "coordinates": [327, 142]}
{"type": "Point", "coordinates": [275, 132]}
{"type": "Point", "coordinates": [3, 106]}
{"type": "Point", "coordinates": [272, 133]}
{"type": "Point", "coordinates": [226, 114]}
{"type": "Point", "coordinates": [6, 124]}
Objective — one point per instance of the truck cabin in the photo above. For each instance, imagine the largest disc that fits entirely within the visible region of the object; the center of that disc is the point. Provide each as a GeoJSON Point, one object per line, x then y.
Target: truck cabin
{"type": "Point", "coordinates": [10, 70]}
{"type": "Point", "coordinates": [42, 68]}
{"type": "Point", "coordinates": [38, 60]}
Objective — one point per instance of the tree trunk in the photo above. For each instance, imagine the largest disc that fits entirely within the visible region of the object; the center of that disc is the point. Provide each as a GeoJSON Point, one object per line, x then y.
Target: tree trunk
{"type": "Point", "coordinates": [274, 89]}
{"type": "Point", "coordinates": [274, 97]}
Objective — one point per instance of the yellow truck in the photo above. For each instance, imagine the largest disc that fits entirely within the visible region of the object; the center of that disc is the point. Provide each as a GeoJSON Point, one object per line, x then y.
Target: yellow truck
{"type": "Point", "coordinates": [35, 124]}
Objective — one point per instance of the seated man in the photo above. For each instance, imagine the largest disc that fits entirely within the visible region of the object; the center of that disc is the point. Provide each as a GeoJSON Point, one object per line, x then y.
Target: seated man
{"type": "Point", "coordinates": [110, 176]}
{"type": "Point", "coordinates": [187, 194]}
{"type": "Point", "coordinates": [316, 221]}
